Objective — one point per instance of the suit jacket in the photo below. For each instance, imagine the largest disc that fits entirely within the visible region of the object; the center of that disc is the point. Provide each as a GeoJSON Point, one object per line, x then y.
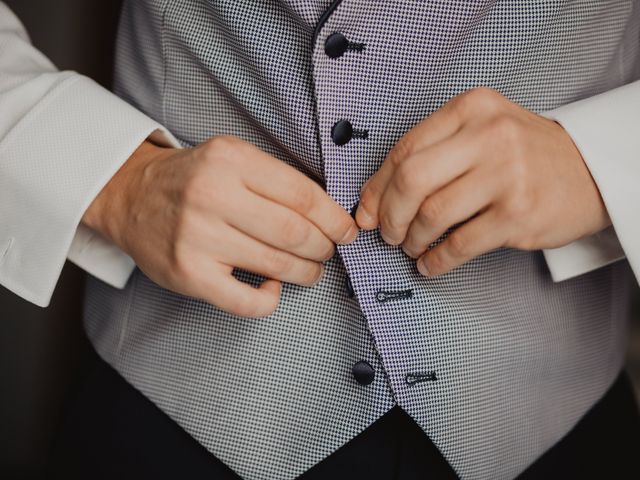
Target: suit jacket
{"type": "Point", "coordinates": [496, 361]}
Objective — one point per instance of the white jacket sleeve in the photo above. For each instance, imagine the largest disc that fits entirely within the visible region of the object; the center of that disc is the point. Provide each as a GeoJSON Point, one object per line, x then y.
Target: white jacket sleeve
{"type": "Point", "coordinates": [62, 137]}
{"type": "Point", "coordinates": [606, 130]}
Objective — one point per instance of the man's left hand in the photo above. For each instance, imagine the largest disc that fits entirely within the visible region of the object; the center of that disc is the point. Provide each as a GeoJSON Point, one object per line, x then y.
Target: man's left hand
{"type": "Point", "coordinates": [511, 178]}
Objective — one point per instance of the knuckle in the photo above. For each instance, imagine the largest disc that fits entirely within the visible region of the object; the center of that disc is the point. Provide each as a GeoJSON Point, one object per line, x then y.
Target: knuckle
{"type": "Point", "coordinates": [389, 222]}
{"type": "Point", "coordinates": [295, 232]}
{"type": "Point", "coordinates": [478, 99]}
{"type": "Point", "coordinates": [517, 207]}
{"type": "Point", "coordinates": [484, 96]}
{"type": "Point", "coordinates": [507, 128]}
{"type": "Point", "coordinates": [484, 93]}
{"type": "Point", "coordinates": [277, 262]}
{"type": "Point", "coordinates": [372, 192]}
{"type": "Point", "coordinates": [437, 262]}
{"type": "Point", "coordinates": [432, 211]}
{"type": "Point", "coordinates": [405, 178]}
{"type": "Point", "coordinates": [302, 196]}
{"type": "Point", "coordinates": [458, 245]}
{"type": "Point", "coordinates": [401, 150]}
{"type": "Point", "coordinates": [221, 145]}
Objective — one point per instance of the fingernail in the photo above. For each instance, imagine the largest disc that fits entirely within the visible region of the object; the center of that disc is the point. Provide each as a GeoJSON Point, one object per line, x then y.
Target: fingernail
{"type": "Point", "coordinates": [388, 240]}
{"type": "Point", "coordinates": [350, 236]}
{"type": "Point", "coordinates": [408, 253]}
{"type": "Point", "coordinates": [319, 279]}
{"type": "Point", "coordinates": [364, 215]}
{"type": "Point", "coordinates": [422, 267]}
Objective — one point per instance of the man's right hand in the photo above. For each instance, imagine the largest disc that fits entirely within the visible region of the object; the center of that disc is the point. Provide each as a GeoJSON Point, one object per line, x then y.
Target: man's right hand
{"type": "Point", "coordinates": [188, 217]}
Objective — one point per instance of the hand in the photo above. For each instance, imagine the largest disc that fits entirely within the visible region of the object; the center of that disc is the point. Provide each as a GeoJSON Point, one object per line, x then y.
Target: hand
{"type": "Point", "coordinates": [188, 217]}
{"type": "Point", "coordinates": [515, 176]}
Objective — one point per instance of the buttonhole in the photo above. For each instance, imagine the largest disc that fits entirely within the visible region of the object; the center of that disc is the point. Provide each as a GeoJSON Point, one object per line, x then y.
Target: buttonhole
{"type": "Point", "coordinates": [413, 378]}
{"type": "Point", "coordinates": [389, 295]}
{"type": "Point", "coordinates": [355, 47]}
{"type": "Point", "coordinates": [362, 134]}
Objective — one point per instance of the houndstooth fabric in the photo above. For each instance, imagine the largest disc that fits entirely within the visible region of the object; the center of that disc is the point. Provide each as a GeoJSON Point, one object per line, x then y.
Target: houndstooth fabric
{"type": "Point", "coordinates": [494, 361]}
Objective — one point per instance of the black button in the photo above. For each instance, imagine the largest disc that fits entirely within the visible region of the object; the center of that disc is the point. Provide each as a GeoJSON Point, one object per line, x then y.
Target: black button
{"type": "Point", "coordinates": [363, 372]}
{"type": "Point", "coordinates": [335, 45]}
{"type": "Point", "coordinates": [342, 132]}
{"type": "Point", "coordinates": [349, 287]}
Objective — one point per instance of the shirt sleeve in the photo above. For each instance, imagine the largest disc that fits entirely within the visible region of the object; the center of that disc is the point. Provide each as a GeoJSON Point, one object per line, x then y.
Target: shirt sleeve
{"type": "Point", "coordinates": [606, 131]}
{"type": "Point", "coordinates": [62, 137]}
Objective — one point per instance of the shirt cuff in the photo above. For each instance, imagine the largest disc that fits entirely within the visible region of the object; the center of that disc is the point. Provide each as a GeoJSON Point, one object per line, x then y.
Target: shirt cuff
{"type": "Point", "coordinates": [54, 163]}
{"type": "Point", "coordinates": [606, 130]}
{"type": "Point", "coordinates": [99, 256]}
{"type": "Point", "coordinates": [584, 255]}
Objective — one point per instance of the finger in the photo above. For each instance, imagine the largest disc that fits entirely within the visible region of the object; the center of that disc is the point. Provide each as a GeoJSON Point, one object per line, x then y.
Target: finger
{"type": "Point", "coordinates": [228, 293]}
{"type": "Point", "coordinates": [480, 235]}
{"type": "Point", "coordinates": [287, 186]}
{"type": "Point", "coordinates": [257, 257]}
{"type": "Point", "coordinates": [280, 227]}
{"type": "Point", "coordinates": [418, 177]}
{"type": "Point", "coordinates": [458, 201]}
{"type": "Point", "coordinates": [440, 125]}
{"type": "Point", "coordinates": [370, 195]}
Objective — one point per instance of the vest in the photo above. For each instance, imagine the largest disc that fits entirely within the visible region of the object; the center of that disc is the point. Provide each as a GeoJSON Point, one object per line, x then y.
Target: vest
{"type": "Point", "coordinates": [494, 361]}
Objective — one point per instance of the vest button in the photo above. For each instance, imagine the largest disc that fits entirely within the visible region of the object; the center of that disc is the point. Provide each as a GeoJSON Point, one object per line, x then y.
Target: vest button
{"type": "Point", "coordinates": [363, 372]}
{"type": "Point", "coordinates": [342, 132]}
{"type": "Point", "coordinates": [335, 45]}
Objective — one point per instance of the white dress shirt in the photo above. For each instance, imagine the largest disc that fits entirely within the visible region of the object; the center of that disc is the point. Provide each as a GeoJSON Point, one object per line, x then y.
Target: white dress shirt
{"type": "Point", "coordinates": [62, 137]}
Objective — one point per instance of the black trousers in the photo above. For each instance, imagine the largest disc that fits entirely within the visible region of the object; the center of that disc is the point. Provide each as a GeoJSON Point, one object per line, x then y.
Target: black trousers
{"type": "Point", "coordinates": [111, 431]}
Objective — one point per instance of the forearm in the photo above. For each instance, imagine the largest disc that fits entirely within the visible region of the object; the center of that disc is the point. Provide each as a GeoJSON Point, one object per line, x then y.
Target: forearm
{"type": "Point", "coordinates": [62, 137]}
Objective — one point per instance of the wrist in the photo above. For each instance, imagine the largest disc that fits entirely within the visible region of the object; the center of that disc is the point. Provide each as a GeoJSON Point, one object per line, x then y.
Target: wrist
{"type": "Point", "coordinates": [108, 212]}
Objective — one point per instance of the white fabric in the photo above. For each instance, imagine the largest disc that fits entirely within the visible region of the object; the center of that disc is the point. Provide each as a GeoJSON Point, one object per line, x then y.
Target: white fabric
{"type": "Point", "coordinates": [62, 137]}
{"type": "Point", "coordinates": [606, 130]}
{"type": "Point", "coordinates": [584, 255]}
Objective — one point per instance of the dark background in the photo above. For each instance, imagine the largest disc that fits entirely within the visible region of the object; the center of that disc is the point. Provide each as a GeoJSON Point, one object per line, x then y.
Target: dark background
{"type": "Point", "coordinates": [42, 350]}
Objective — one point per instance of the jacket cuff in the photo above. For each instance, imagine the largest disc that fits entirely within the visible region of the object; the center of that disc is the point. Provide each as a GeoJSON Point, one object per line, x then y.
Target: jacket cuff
{"type": "Point", "coordinates": [54, 162]}
{"type": "Point", "coordinates": [606, 130]}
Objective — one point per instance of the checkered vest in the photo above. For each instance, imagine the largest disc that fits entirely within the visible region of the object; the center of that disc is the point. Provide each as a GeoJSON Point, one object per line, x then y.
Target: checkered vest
{"type": "Point", "coordinates": [494, 361]}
